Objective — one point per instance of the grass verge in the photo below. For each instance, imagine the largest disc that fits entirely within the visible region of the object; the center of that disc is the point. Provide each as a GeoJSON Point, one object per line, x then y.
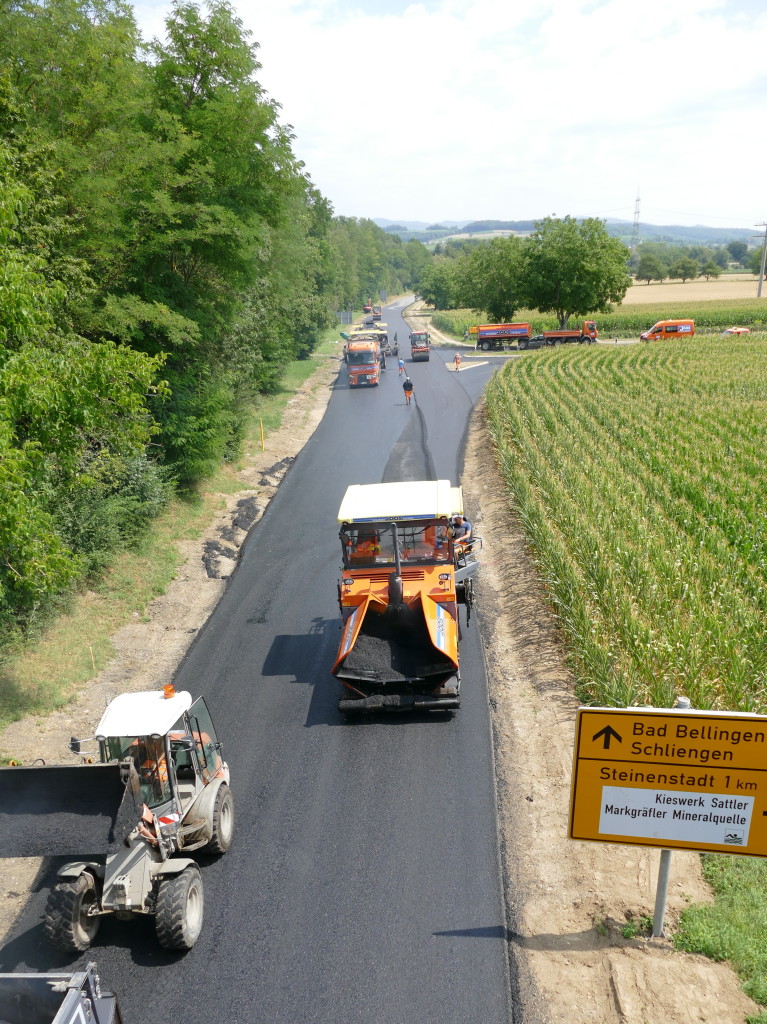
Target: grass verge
{"type": "Point", "coordinates": [734, 927]}
{"type": "Point", "coordinates": [45, 672]}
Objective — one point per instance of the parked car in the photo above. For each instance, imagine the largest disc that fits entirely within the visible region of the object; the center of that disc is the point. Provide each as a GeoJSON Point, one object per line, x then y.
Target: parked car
{"type": "Point", "coordinates": [737, 330]}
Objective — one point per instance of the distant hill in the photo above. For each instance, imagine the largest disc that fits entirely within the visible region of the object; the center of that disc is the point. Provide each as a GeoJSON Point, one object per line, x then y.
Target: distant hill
{"type": "Point", "coordinates": [416, 225]}
{"type": "Point", "coordinates": [678, 234]}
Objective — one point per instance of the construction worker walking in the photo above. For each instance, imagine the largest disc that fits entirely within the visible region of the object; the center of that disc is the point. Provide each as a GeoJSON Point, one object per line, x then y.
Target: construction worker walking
{"type": "Point", "coordinates": [407, 387]}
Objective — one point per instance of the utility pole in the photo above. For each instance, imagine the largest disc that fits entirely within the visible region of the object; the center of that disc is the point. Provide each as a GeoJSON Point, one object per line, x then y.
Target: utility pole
{"type": "Point", "coordinates": [764, 257]}
{"type": "Point", "coordinates": [635, 232]}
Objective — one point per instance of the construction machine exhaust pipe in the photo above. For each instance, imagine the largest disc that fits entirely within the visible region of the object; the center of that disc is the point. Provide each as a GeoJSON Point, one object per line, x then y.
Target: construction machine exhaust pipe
{"type": "Point", "coordinates": [395, 580]}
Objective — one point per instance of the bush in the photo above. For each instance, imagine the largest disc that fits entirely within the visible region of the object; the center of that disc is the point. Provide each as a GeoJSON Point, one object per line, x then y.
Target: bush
{"type": "Point", "coordinates": [97, 518]}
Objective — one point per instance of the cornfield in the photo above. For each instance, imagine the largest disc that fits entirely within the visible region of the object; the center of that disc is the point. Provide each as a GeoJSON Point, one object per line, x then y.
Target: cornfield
{"type": "Point", "coordinates": [640, 476]}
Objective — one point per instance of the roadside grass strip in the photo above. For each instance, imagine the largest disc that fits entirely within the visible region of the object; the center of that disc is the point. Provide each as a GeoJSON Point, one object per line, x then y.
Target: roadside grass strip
{"type": "Point", "coordinates": [734, 927]}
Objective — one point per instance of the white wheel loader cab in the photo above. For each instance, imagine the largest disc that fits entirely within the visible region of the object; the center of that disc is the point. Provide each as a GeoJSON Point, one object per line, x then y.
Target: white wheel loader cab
{"type": "Point", "coordinates": [171, 741]}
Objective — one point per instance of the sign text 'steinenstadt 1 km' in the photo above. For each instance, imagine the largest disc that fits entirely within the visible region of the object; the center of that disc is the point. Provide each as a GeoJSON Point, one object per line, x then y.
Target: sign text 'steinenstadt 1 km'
{"type": "Point", "coordinates": [689, 780]}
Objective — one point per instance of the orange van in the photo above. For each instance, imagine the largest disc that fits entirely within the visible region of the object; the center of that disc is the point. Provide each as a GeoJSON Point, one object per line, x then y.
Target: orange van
{"type": "Point", "coordinates": [669, 329]}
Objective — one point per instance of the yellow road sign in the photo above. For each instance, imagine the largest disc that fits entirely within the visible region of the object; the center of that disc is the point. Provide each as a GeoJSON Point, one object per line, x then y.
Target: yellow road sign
{"type": "Point", "coordinates": [691, 780]}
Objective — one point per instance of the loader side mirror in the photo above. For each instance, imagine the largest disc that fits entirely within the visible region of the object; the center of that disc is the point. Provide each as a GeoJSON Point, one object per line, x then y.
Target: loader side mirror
{"type": "Point", "coordinates": [75, 745]}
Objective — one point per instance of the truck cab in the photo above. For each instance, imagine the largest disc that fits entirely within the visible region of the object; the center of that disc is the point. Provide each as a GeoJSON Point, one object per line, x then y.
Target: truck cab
{"type": "Point", "coordinates": [363, 359]}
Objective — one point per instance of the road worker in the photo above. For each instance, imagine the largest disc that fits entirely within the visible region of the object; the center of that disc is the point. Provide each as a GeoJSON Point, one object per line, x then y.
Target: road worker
{"type": "Point", "coordinates": [367, 546]}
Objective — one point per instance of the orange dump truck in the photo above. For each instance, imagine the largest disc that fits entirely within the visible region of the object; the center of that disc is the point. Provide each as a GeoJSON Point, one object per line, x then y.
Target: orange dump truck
{"type": "Point", "coordinates": [363, 360]}
{"type": "Point", "coordinates": [585, 332]}
{"type": "Point", "coordinates": [403, 578]}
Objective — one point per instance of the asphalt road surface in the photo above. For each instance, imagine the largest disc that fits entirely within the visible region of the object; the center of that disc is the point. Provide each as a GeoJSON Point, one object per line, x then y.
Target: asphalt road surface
{"type": "Point", "coordinates": [363, 883]}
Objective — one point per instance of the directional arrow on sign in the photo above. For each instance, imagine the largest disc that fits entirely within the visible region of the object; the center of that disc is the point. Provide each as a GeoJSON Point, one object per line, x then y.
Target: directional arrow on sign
{"type": "Point", "coordinates": [608, 733]}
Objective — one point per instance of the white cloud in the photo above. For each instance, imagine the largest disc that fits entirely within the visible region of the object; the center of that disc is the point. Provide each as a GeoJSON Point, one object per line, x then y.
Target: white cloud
{"type": "Point", "coordinates": [447, 109]}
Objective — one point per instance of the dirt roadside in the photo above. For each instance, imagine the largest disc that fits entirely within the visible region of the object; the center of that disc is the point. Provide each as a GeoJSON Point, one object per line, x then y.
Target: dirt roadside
{"type": "Point", "coordinates": [567, 901]}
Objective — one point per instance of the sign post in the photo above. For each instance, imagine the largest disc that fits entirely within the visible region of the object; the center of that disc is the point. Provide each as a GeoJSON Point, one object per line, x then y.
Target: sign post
{"type": "Point", "coordinates": [675, 779]}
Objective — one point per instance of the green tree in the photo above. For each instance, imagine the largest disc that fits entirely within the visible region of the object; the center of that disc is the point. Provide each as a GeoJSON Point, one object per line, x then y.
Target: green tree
{"type": "Point", "coordinates": [755, 260]}
{"type": "Point", "coordinates": [572, 268]}
{"type": "Point", "coordinates": [650, 268]}
{"type": "Point", "coordinates": [684, 269]}
{"type": "Point", "coordinates": [722, 257]}
{"type": "Point", "coordinates": [74, 415]}
{"type": "Point", "coordinates": [438, 284]}
{"type": "Point", "coordinates": [710, 269]}
{"type": "Point", "coordinates": [738, 251]}
{"type": "Point", "coordinates": [489, 277]}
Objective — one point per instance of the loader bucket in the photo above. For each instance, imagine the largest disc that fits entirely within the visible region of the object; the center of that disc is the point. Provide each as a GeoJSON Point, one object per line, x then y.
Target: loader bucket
{"type": "Point", "coordinates": [66, 810]}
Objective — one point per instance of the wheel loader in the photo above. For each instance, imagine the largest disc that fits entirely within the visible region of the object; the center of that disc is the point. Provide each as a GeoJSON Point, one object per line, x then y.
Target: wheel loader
{"type": "Point", "coordinates": [403, 577]}
{"type": "Point", "coordinates": [158, 790]}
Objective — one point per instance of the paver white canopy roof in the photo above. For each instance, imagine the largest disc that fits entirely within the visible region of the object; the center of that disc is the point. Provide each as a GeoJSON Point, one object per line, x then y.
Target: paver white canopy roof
{"type": "Point", "coordinates": [143, 714]}
{"type": "Point", "coordinates": [421, 499]}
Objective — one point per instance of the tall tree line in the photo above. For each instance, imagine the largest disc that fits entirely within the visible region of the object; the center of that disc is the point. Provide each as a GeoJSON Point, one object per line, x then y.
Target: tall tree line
{"type": "Point", "coordinates": [163, 256]}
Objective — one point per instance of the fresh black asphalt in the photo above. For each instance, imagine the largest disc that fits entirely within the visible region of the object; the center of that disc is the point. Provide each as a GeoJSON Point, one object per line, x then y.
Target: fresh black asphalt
{"type": "Point", "coordinates": [363, 884]}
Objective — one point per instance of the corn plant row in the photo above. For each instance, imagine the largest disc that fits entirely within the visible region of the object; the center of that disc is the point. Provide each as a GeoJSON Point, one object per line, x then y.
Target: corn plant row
{"type": "Point", "coordinates": [639, 476]}
{"type": "Point", "coordinates": [627, 559]}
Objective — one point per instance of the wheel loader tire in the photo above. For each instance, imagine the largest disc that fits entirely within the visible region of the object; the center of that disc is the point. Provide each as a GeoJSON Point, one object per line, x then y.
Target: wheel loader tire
{"type": "Point", "coordinates": [67, 925]}
{"type": "Point", "coordinates": [222, 822]}
{"type": "Point", "coordinates": [180, 906]}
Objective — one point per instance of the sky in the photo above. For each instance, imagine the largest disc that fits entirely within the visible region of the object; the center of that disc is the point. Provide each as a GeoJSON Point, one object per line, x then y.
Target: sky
{"type": "Point", "coordinates": [519, 109]}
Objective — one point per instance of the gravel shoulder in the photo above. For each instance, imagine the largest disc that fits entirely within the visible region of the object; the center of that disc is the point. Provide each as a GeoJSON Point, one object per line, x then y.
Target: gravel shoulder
{"type": "Point", "coordinates": [567, 901]}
